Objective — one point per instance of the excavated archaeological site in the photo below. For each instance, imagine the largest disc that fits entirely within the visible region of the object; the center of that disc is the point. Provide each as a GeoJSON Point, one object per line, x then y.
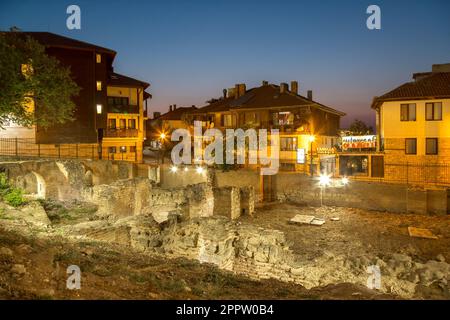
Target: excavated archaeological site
{"type": "Point", "coordinates": [143, 232]}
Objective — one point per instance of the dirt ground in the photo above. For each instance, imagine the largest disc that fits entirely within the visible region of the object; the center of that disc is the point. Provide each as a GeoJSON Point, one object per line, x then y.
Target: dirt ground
{"type": "Point", "coordinates": [33, 261]}
{"type": "Point", "coordinates": [114, 272]}
{"type": "Point", "coordinates": [358, 232]}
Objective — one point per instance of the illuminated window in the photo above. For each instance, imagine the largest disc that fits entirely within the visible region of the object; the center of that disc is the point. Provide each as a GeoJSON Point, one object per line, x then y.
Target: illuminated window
{"type": "Point", "coordinates": [112, 124]}
{"type": "Point", "coordinates": [99, 108]}
{"type": "Point", "coordinates": [288, 144]}
{"type": "Point", "coordinates": [132, 123]}
{"type": "Point", "coordinates": [98, 58]}
{"type": "Point", "coordinates": [123, 123]}
{"type": "Point", "coordinates": [99, 86]}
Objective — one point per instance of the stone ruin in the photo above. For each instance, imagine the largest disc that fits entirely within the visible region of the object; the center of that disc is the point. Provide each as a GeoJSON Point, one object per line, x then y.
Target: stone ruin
{"type": "Point", "coordinates": [200, 222]}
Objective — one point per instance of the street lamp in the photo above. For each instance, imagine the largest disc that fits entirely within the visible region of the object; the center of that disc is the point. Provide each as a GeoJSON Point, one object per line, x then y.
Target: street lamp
{"type": "Point", "coordinates": [311, 140]}
{"type": "Point", "coordinates": [324, 181]}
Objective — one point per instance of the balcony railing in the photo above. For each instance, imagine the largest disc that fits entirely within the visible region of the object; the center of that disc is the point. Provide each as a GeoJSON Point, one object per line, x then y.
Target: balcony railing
{"type": "Point", "coordinates": [121, 133]}
{"type": "Point", "coordinates": [123, 109]}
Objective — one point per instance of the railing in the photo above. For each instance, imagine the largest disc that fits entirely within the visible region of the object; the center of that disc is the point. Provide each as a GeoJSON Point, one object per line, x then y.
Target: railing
{"type": "Point", "coordinates": [121, 133]}
{"type": "Point", "coordinates": [123, 109]}
{"type": "Point", "coordinates": [24, 148]}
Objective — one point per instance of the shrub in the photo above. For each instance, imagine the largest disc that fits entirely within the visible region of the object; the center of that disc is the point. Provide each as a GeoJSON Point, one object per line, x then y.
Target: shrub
{"type": "Point", "coordinates": [11, 195]}
{"type": "Point", "coordinates": [14, 197]}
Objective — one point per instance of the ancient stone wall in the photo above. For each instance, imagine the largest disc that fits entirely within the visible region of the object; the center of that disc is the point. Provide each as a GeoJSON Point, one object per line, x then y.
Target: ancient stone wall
{"type": "Point", "coordinates": [227, 202]}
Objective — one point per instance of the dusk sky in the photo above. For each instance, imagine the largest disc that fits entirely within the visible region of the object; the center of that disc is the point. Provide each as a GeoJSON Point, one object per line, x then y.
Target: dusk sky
{"type": "Point", "coordinates": [190, 50]}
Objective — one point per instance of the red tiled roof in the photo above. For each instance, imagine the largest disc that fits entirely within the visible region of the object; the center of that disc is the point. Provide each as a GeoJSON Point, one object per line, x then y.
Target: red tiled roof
{"type": "Point", "coordinates": [175, 114]}
{"type": "Point", "coordinates": [266, 96]}
{"type": "Point", "coordinates": [55, 40]}
{"type": "Point", "coordinates": [433, 85]}
{"type": "Point", "coordinates": [118, 80]}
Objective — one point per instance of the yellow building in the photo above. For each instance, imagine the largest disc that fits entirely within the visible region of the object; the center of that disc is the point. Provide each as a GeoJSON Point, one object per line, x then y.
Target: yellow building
{"type": "Point", "coordinates": [125, 132]}
{"type": "Point", "coordinates": [413, 126]}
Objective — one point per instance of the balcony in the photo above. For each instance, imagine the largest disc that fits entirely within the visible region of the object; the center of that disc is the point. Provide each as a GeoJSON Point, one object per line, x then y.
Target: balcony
{"type": "Point", "coordinates": [121, 133]}
{"type": "Point", "coordinates": [126, 109]}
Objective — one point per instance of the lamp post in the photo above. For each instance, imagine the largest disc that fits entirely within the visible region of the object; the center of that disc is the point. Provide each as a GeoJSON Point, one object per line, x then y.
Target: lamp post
{"type": "Point", "coordinates": [311, 140]}
{"type": "Point", "coordinates": [162, 137]}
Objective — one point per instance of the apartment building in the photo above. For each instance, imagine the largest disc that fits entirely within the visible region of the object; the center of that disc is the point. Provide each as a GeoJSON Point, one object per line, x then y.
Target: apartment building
{"type": "Point", "coordinates": [105, 96]}
{"type": "Point", "coordinates": [413, 126]}
{"type": "Point", "coordinates": [308, 130]}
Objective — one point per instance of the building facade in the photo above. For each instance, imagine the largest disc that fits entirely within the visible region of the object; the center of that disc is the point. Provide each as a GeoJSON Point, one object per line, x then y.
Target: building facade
{"type": "Point", "coordinates": [413, 127]}
{"type": "Point", "coordinates": [308, 130]}
{"type": "Point", "coordinates": [91, 68]}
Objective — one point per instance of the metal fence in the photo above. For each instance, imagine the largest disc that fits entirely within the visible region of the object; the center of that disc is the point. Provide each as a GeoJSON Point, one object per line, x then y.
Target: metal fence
{"type": "Point", "coordinates": [417, 173]}
{"type": "Point", "coordinates": [23, 148]}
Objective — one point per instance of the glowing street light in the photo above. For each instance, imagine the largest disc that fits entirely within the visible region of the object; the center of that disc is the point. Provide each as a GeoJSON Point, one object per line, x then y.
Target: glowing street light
{"type": "Point", "coordinates": [199, 170]}
{"type": "Point", "coordinates": [174, 169]}
{"type": "Point", "coordinates": [345, 181]}
{"type": "Point", "coordinates": [162, 136]}
{"type": "Point", "coordinates": [186, 169]}
{"type": "Point", "coordinates": [324, 180]}
{"type": "Point", "coordinates": [312, 138]}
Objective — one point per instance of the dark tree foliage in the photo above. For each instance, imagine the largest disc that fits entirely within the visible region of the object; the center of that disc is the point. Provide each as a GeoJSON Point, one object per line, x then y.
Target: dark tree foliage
{"type": "Point", "coordinates": [28, 74]}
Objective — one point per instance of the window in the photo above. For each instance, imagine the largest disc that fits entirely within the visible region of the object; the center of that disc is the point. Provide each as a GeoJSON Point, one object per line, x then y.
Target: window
{"type": "Point", "coordinates": [111, 149]}
{"type": "Point", "coordinates": [228, 120]}
{"type": "Point", "coordinates": [408, 112]}
{"type": "Point", "coordinates": [411, 146]}
{"type": "Point", "coordinates": [132, 123]}
{"type": "Point", "coordinates": [283, 118]}
{"type": "Point", "coordinates": [118, 101]}
{"type": "Point", "coordinates": [98, 58]}
{"type": "Point", "coordinates": [99, 86]}
{"type": "Point", "coordinates": [99, 109]}
{"type": "Point", "coordinates": [288, 144]}
{"type": "Point", "coordinates": [431, 146]}
{"type": "Point", "coordinates": [251, 118]}
{"type": "Point", "coordinates": [112, 124]}
{"type": "Point", "coordinates": [433, 111]}
{"type": "Point", "coordinates": [123, 123]}
{"type": "Point", "coordinates": [132, 148]}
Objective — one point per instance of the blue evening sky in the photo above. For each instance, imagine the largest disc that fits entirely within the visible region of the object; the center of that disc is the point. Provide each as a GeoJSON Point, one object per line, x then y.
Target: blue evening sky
{"type": "Point", "coordinates": [190, 50]}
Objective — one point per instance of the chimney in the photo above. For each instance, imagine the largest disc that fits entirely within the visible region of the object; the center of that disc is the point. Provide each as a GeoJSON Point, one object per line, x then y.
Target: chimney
{"type": "Point", "coordinates": [239, 90]}
{"type": "Point", "coordinates": [174, 107]}
{"type": "Point", "coordinates": [242, 89]}
{"type": "Point", "coordinates": [265, 83]}
{"type": "Point", "coordinates": [156, 114]}
{"type": "Point", "coordinates": [441, 67]}
{"type": "Point", "coordinates": [284, 87]}
{"type": "Point", "coordinates": [310, 97]}
{"type": "Point", "coordinates": [170, 108]}
{"type": "Point", "coordinates": [236, 91]}
{"type": "Point", "coordinates": [294, 87]}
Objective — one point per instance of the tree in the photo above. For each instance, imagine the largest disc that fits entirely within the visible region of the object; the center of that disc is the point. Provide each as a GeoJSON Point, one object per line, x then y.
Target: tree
{"type": "Point", "coordinates": [28, 74]}
{"type": "Point", "coordinates": [359, 128]}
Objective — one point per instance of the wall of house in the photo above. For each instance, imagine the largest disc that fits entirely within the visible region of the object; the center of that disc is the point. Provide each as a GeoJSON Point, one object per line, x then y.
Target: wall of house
{"type": "Point", "coordinates": [394, 132]}
{"type": "Point", "coordinates": [135, 97]}
{"type": "Point", "coordinates": [85, 72]}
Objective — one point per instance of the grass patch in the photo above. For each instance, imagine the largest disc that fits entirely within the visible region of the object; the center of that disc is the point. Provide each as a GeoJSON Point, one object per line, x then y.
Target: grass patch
{"type": "Point", "coordinates": [68, 212]}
